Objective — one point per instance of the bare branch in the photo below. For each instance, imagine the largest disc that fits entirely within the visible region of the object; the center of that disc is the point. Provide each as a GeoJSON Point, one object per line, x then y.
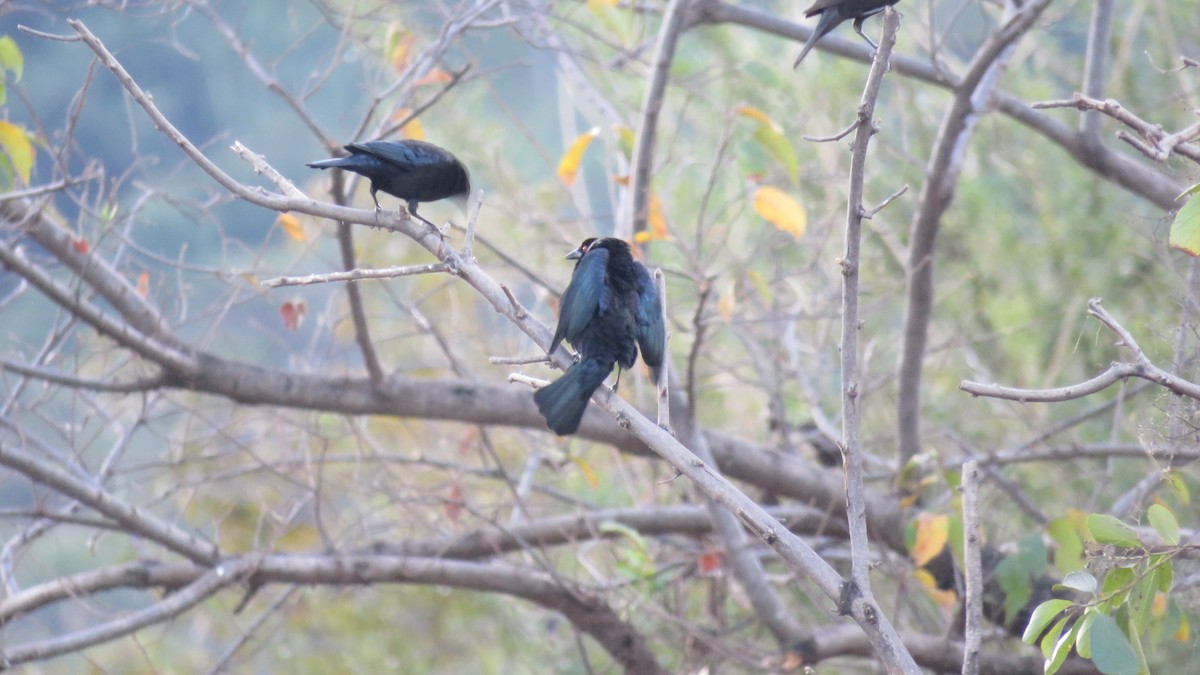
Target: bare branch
{"type": "Point", "coordinates": [1142, 367]}
{"type": "Point", "coordinates": [356, 275]}
{"type": "Point", "coordinates": [673, 24]}
{"type": "Point", "coordinates": [972, 99]}
{"type": "Point", "coordinates": [972, 570]}
{"type": "Point", "coordinates": [1151, 140]}
{"type": "Point", "coordinates": [855, 595]}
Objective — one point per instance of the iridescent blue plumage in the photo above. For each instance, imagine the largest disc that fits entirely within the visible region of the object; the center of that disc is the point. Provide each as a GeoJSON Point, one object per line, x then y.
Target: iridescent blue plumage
{"type": "Point", "coordinates": [609, 310]}
{"type": "Point", "coordinates": [414, 171]}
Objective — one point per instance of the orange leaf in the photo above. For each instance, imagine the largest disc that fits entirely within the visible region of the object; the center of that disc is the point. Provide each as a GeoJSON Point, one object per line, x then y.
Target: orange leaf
{"type": "Point", "coordinates": [944, 598]}
{"type": "Point", "coordinates": [932, 532]}
{"type": "Point", "coordinates": [454, 503]}
{"type": "Point", "coordinates": [656, 218]}
{"type": "Point", "coordinates": [143, 285]}
{"type": "Point", "coordinates": [291, 225]}
{"type": "Point", "coordinates": [780, 210]}
{"type": "Point", "coordinates": [414, 130]}
{"type": "Point", "coordinates": [1184, 634]}
{"type": "Point", "coordinates": [81, 245]}
{"type": "Point", "coordinates": [589, 474]}
{"type": "Point", "coordinates": [399, 43]}
{"type": "Point", "coordinates": [293, 313]}
{"type": "Point", "coordinates": [568, 166]}
{"type": "Point", "coordinates": [758, 116]}
{"type": "Point", "coordinates": [709, 563]}
{"type": "Point", "coordinates": [434, 76]}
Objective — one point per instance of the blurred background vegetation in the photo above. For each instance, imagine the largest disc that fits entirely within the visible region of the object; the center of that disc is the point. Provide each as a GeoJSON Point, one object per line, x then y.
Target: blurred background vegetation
{"type": "Point", "coordinates": [1030, 237]}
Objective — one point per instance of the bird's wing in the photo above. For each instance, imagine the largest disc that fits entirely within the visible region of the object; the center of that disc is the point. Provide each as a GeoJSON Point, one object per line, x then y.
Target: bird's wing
{"type": "Point", "coordinates": [405, 155]}
{"type": "Point", "coordinates": [822, 5]}
{"type": "Point", "coordinates": [651, 333]}
{"type": "Point", "coordinates": [586, 295]}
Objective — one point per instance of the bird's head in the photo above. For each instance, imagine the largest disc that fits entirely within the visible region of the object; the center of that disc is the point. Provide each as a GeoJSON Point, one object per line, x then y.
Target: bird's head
{"type": "Point", "coordinates": [583, 248]}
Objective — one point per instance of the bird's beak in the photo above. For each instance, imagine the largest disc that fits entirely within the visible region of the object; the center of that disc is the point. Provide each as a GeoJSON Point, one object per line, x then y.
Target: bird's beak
{"type": "Point", "coordinates": [576, 254]}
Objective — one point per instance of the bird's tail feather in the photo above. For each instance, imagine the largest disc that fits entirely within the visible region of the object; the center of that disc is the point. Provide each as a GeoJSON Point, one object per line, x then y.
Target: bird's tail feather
{"type": "Point", "coordinates": [334, 162]}
{"type": "Point", "coordinates": [564, 401]}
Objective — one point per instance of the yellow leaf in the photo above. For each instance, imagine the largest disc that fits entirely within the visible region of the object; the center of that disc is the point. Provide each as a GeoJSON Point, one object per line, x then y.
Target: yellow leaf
{"type": "Point", "coordinates": [252, 280]}
{"type": "Point", "coordinates": [656, 218]}
{"type": "Point", "coordinates": [291, 225]}
{"type": "Point", "coordinates": [625, 137]}
{"type": "Point", "coordinates": [568, 166]}
{"type": "Point", "coordinates": [757, 115]}
{"type": "Point", "coordinates": [944, 598]}
{"type": "Point", "coordinates": [727, 303]}
{"type": "Point", "coordinates": [16, 145]}
{"type": "Point", "coordinates": [781, 210]}
{"type": "Point", "coordinates": [597, 5]}
{"type": "Point", "coordinates": [932, 532]}
{"type": "Point", "coordinates": [399, 43]}
{"type": "Point", "coordinates": [1158, 607]}
{"type": "Point", "coordinates": [434, 76]}
{"type": "Point", "coordinates": [642, 237]}
{"type": "Point", "coordinates": [1184, 634]}
{"type": "Point", "coordinates": [412, 128]}
{"type": "Point", "coordinates": [10, 58]}
{"type": "Point", "coordinates": [589, 474]}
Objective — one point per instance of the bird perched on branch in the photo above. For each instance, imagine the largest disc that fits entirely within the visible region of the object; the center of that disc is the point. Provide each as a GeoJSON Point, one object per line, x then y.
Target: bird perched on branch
{"type": "Point", "coordinates": [414, 171]}
{"type": "Point", "coordinates": [833, 12]}
{"type": "Point", "coordinates": [609, 310]}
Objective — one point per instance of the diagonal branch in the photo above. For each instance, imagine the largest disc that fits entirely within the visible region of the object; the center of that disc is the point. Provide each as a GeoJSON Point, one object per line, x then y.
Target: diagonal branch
{"type": "Point", "coordinates": [972, 98]}
{"type": "Point", "coordinates": [131, 518]}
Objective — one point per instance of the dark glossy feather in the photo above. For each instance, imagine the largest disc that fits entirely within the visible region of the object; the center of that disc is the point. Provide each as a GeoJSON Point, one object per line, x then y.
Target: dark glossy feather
{"type": "Point", "coordinates": [413, 171]}
{"type": "Point", "coordinates": [586, 295]}
{"type": "Point", "coordinates": [651, 333]}
{"type": "Point", "coordinates": [834, 12]}
{"type": "Point", "coordinates": [609, 309]}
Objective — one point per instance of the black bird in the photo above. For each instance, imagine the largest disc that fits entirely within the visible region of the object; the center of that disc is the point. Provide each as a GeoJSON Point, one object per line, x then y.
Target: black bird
{"type": "Point", "coordinates": [833, 12]}
{"type": "Point", "coordinates": [608, 311]}
{"type": "Point", "coordinates": [414, 171]}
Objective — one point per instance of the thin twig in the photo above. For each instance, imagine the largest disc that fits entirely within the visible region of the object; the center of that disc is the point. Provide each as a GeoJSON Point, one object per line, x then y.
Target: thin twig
{"type": "Point", "coordinates": [518, 360]}
{"type": "Point", "coordinates": [355, 275]}
{"type": "Point", "coordinates": [664, 391]}
{"type": "Point", "coordinates": [973, 570]}
{"type": "Point", "coordinates": [468, 247]}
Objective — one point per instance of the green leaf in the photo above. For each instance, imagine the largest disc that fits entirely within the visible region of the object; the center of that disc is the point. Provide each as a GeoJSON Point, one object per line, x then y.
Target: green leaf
{"type": "Point", "coordinates": [1062, 649]}
{"type": "Point", "coordinates": [1164, 523]}
{"type": "Point", "coordinates": [779, 147]}
{"type": "Point", "coordinates": [1176, 482]}
{"type": "Point", "coordinates": [1185, 229]}
{"type": "Point", "coordinates": [1080, 581]}
{"type": "Point", "coordinates": [1050, 639]}
{"type": "Point", "coordinates": [1118, 582]}
{"type": "Point", "coordinates": [1083, 640]}
{"type": "Point", "coordinates": [1042, 615]}
{"type": "Point", "coordinates": [1068, 557]}
{"type": "Point", "coordinates": [1015, 571]}
{"type": "Point", "coordinates": [1164, 575]}
{"type": "Point", "coordinates": [10, 57]}
{"type": "Point", "coordinates": [1107, 529]}
{"type": "Point", "coordinates": [1111, 651]}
